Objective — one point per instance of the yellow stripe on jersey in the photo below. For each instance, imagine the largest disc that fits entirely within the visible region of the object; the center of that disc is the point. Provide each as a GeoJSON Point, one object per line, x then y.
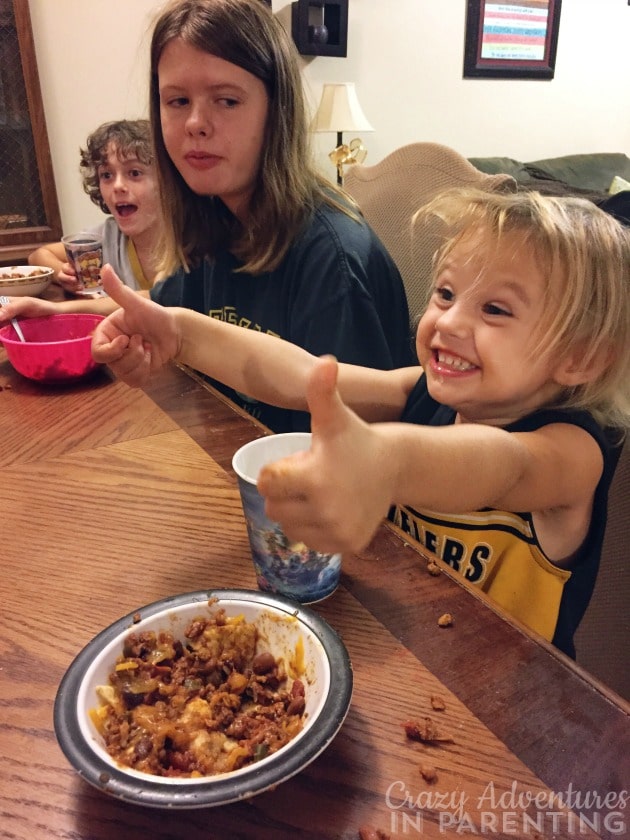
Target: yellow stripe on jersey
{"type": "Point", "coordinates": [497, 551]}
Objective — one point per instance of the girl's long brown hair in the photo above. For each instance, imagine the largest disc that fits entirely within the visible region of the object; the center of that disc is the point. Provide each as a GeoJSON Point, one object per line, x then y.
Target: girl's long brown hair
{"type": "Point", "coordinates": [245, 33]}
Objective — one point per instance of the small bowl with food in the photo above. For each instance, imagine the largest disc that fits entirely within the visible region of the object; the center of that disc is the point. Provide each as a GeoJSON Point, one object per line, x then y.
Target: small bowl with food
{"type": "Point", "coordinates": [57, 348]}
{"type": "Point", "coordinates": [203, 699]}
{"type": "Point", "coordinates": [24, 280]}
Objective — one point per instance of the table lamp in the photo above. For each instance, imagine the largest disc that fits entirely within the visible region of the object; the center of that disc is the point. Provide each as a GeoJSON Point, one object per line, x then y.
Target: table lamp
{"type": "Point", "coordinates": [339, 110]}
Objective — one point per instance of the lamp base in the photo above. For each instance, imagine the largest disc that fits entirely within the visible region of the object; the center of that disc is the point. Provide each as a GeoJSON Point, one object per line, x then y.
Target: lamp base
{"type": "Point", "coordinates": [347, 154]}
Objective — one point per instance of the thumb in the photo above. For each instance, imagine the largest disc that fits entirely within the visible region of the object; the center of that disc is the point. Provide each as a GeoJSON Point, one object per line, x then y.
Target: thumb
{"type": "Point", "coordinates": [328, 412]}
{"type": "Point", "coordinates": [124, 296]}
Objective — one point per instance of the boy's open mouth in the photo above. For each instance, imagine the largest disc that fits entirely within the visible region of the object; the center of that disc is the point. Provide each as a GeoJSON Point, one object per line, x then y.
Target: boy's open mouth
{"type": "Point", "coordinates": [124, 210]}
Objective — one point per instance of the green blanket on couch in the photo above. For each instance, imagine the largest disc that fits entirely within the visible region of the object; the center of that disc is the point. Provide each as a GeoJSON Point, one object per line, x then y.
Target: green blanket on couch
{"type": "Point", "coordinates": [588, 173]}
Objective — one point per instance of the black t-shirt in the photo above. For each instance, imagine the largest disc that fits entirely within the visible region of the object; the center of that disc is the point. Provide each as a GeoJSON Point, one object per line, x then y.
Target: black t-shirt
{"type": "Point", "coordinates": [337, 291]}
{"type": "Point", "coordinates": [422, 409]}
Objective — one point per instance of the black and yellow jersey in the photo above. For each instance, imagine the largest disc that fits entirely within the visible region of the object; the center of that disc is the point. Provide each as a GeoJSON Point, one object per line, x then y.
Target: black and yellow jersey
{"type": "Point", "coordinates": [499, 550]}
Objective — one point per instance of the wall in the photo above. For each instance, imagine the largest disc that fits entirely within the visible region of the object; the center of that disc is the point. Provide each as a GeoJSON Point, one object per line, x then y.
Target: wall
{"type": "Point", "coordinates": [405, 57]}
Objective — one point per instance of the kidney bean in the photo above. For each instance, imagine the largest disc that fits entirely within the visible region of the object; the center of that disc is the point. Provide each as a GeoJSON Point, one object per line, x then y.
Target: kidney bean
{"type": "Point", "coordinates": [263, 663]}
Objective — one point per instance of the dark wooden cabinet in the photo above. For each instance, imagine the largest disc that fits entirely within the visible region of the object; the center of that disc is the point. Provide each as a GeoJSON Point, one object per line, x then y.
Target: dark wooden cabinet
{"type": "Point", "coordinates": [29, 210]}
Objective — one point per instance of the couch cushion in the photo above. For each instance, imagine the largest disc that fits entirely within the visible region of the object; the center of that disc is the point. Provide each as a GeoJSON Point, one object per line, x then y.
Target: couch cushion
{"type": "Point", "coordinates": [591, 172]}
{"type": "Point", "coordinates": [501, 165]}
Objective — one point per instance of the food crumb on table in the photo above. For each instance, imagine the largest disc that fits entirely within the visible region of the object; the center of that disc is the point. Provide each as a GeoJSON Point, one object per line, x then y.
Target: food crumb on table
{"type": "Point", "coordinates": [428, 773]}
{"type": "Point", "coordinates": [437, 703]}
{"type": "Point", "coordinates": [426, 730]}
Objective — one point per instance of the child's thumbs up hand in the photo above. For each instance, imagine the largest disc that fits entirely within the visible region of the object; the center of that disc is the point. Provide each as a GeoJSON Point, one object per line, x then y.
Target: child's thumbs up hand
{"type": "Point", "coordinates": [330, 416]}
{"type": "Point", "coordinates": [330, 496]}
{"type": "Point", "coordinates": [138, 338]}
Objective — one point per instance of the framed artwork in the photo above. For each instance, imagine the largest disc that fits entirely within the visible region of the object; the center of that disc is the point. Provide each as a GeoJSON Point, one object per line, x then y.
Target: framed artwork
{"type": "Point", "coordinates": [320, 27]}
{"type": "Point", "coordinates": [511, 40]}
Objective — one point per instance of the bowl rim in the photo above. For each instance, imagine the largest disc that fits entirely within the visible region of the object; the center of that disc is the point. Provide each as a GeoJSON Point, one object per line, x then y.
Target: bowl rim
{"type": "Point", "coordinates": [57, 316]}
{"type": "Point", "coordinates": [221, 790]}
{"type": "Point", "coordinates": [29, 277]}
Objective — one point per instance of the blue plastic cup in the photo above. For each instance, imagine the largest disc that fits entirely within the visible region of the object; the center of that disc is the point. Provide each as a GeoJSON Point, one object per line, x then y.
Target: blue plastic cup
{"type": "Point", "coordinates": [282, 565]}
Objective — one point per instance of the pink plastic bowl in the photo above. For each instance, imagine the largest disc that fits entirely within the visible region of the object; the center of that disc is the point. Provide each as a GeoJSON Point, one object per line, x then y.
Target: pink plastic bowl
{"type": "Point", "coordinates": [57, 348]}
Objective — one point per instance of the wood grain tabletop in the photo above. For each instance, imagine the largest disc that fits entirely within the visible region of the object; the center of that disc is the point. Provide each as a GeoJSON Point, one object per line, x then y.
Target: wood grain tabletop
{"type": "Point", "coordinates": [114, 498]}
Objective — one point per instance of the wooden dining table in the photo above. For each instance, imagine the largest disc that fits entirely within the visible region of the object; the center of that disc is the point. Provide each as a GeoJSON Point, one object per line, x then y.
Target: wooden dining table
{"type": "Point", "coordinates": [113, 498]}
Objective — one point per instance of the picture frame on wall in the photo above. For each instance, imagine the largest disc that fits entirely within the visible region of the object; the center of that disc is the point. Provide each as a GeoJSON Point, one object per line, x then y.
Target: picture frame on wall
{"type": "Point", "coordinates": [511, 40]}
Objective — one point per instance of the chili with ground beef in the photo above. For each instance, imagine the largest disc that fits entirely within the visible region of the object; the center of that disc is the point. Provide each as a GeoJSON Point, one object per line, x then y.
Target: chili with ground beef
{"type": "Point", "coordinates": [205, 706]}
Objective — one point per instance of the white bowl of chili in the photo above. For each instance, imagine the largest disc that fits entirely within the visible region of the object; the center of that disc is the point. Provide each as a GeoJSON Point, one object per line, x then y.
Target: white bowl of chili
{"type": "Point", "coordinates": [203, 699]}
{"type": "Point", "coordinates": [21, 280]}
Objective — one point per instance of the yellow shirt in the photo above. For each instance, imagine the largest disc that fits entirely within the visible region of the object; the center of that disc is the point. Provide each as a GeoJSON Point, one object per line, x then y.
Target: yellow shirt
{"type": "Point", "coordinates": [138, 273]}
{"type": "Point", "coordinates": [497, 551]}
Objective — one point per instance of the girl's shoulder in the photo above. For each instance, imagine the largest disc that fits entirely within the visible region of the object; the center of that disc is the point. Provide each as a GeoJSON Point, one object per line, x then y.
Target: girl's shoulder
{"type": "Point", "coordinates": [610, 441]}
{"type": "Point", "coordinates": [342, 227]}
{"type": "Point", "coordinates": [573, 416]}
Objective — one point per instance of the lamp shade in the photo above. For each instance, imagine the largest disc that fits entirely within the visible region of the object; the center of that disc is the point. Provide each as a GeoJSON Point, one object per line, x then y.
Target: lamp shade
{"type": "Point", "coordinates": [339, 110]}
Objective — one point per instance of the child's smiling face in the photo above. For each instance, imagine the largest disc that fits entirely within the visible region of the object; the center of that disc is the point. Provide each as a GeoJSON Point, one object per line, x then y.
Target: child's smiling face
{"type": "Point", "coordinates": [477, 338]}
{"type": "Point", "coordinates": [130, 191]}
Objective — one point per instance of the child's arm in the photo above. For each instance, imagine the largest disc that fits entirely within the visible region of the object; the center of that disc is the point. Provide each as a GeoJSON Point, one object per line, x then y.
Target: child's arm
{"type": "Point", "coordinates": [141, 337]}
{"type": "Point", "coordinates": [29, 307]}
{"type": "Point", "coordinates": [334, 496]}
{"type": "Point", "coordinates": [54, 256]}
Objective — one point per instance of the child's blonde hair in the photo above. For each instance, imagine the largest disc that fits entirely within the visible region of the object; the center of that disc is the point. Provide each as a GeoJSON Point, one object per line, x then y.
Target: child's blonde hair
{"type": "Point", "coordinates": [584, 253]}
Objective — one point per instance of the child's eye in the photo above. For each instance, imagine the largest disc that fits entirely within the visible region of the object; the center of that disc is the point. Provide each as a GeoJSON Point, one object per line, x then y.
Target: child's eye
{"type": "Point", "coordinates": [443, 293]}
{"type": "Point", "coordinates": [495, 309]}
{"type": "Point", "coordinates": [228, 101]}
{"type": "Point", "coordinates": [136, 173]}
{"type": "Point", "coordinates": [104, 176]}
{"type": "Point", "coordinates": [177, 101]}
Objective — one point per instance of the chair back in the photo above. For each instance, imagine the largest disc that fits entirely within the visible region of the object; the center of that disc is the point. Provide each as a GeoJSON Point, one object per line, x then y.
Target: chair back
{"type": "Point", "coordinates": [393, 190]}
{"type": "Point", "coordinates": [602, 639]}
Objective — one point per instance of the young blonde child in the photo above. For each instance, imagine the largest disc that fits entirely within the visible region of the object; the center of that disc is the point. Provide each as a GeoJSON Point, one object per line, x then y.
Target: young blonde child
{"type": "Point", "coordinates": [498, 453]}
{"type": "Point", "coordinates": [119, 176]}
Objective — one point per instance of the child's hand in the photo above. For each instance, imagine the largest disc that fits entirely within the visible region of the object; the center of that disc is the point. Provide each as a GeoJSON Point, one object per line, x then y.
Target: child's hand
{"type": "Point", "coordinates": [137, 339]}
{"type": "Point", "coordinates": [66, 277]}
{"type": "Point", "coordinates": [334, 496]}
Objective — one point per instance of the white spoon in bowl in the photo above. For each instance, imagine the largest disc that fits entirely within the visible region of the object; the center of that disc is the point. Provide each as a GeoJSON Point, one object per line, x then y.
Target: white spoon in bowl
{"type": "Point", "coordinates": [4, 300]}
